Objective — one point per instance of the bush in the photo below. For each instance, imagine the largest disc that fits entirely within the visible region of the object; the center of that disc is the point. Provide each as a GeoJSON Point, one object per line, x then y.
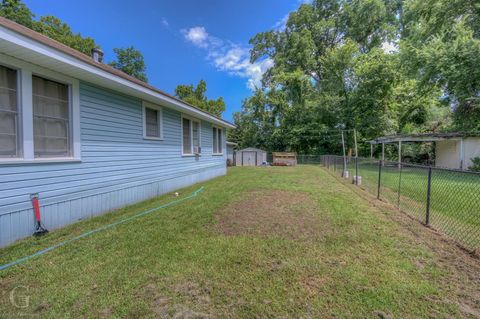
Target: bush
{"type": "Point", "coordinates": [476, 164]}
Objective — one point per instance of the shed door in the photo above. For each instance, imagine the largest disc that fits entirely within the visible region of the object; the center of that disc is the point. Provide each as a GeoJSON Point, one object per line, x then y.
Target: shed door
{"type": "Point", "coordinates": [249, 158]}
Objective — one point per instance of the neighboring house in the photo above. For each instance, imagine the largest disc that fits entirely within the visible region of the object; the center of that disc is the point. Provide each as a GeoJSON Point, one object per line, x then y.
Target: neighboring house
{"type": "Point", "coordinates": [452, 150]}
{"type": "Point", "coordinates": [88, 138]}
{"type": "Point", "coordinates": [231, 152]}
{"type": "Point", "coordinates": [250, 157]}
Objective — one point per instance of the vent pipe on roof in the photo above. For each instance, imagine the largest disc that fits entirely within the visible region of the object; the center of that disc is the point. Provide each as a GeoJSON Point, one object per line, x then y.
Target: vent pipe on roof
{"type": "Point", "coordinates": [97, 55]}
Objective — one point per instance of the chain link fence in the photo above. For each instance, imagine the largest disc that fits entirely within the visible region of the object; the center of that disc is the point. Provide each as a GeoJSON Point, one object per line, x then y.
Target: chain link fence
{"type": "Point", "coordinates": [447, 200]}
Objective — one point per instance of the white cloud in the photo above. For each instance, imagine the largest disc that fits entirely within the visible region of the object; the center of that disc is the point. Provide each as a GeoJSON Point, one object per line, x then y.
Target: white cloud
{"type": "Point", "coordinates": [197, 35]}
{"type": "Point", "coordinates": [255, 72]}
{"type": "Point", "coordinates": [165, 22]}
{"type": "Point", "coordinates": [229, 57]}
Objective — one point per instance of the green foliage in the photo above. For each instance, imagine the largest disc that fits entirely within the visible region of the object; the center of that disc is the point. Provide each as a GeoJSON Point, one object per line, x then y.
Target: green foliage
{"type": "Point", "coordinates": [130, 61]}
{"type": "Point", "coordinates": [50, 26]}
{"type": "Point", "coordinates": [196, 96]}
{"type": "Point", "coordinates": [441, 45]}
{"type": "Point", "coordinates": [55, 29]}
{"type": "Point", "coordinates": [328, 73]}
{"type": "Point", "coordinates": [17, 11]}
{"type": "Point", "coordinates": [331, 72]}
{"type": "Point", "coordinates": [476, 164]}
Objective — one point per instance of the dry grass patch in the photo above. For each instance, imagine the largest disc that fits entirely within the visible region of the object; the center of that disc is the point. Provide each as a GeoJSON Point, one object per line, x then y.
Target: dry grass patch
{"type": "Point", "coordinates": [273, 213]}
{"type": "Point", "coordinates": [182, 300]}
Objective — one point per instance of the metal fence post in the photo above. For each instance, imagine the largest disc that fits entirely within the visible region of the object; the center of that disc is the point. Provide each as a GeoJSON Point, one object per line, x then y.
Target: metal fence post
{"type": "Point", "coordinates": [334, 163]}
{"type": "Point", "coordinates": [356, 170]}
{"type": "Point", "coordinates": [399, 184]}
{"type": "Point", "coordinates": [380, 164]}
{"type": "Point", "coordinates": [429, 189]}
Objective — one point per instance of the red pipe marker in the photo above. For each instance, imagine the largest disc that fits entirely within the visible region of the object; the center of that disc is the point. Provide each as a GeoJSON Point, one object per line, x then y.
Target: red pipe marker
{"type": "Point", "coordinates": [39, 229]}
{"type": "Point", "coordinates": [36, 208]}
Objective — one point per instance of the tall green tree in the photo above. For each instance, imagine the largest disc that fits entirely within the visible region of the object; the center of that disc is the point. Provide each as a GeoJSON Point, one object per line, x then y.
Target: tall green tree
{"type": "Point", "coordinates": [441, 45]}
{"type": "Point", "coordinates": [130, 61]}
{"type": "Point", "coordinates": [331, 71]}
{"type": "Point", "coordinates": [314, 85]}
{"type": "Point", "coordinates": [17, 11]}
{"type": "Point", "coordinates": [197, 97]}
{"type": "Point", "coordinates": [55, 29]}
{"type": "Point", "coordinates": [50, 26]}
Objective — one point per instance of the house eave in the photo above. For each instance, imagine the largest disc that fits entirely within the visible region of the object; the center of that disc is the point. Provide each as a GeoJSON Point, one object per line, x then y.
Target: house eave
{"type": "Point", "coordinates": [18, 44]}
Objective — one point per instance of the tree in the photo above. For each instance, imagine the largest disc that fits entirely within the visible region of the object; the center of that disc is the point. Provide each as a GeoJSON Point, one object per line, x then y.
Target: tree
{"type": "Point", "coordinates": [130, 61]}
{"type": "Point", "coordinates": [441, 45]}
{"type": "Point", "coordinates": [331, 71]}
{"type": "Point", "coordinates": [50, 26]}
{"type": "Point", "coordinates": [196, 97]}
{"type": "Point", "coordinates": [17, 11]}
{"type": "Point", "coordinates": [55, 29]}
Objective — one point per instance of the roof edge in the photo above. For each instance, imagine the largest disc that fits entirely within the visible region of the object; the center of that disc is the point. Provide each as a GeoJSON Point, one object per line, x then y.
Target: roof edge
{"type": "Point", "coordinates": [53, 44]}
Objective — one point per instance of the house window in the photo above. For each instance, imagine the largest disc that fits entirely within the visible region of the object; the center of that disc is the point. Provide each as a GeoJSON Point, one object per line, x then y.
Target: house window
{"type": "Point", "coordinates": [190, 136]}
{"type": "Point", "coordinates": [51, 118]}
{"type": "Point", "coordinates": [9, 140]}
{"type": "Point", "coordinates": [152, 121]}
{"type": "Point", "coordinates": [217, 141]}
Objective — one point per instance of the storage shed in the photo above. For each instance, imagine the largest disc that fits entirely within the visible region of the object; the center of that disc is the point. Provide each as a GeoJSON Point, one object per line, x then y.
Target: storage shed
{"type": "Point", "coordinates": [250, 157]}
{"type": "Point", "coordinates": [284, 158]}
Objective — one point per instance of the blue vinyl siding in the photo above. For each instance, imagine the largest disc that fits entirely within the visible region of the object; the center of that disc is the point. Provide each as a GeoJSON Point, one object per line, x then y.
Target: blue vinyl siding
{"type": "Point", "coordinates": [117, 166]}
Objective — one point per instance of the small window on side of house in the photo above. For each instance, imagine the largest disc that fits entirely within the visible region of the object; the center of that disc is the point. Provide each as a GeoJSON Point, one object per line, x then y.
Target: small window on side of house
{"type": "Point", "coordinates": [152, 122]}
{"type": "Point", "coordinates": [51, 118]}
{"type": "Point", "coordinates": [191, 137]}
{"type": "Point", "coordinates": [9, 119]}
{"type": "Point", "coordinates": [187, 136]}
{"type": "Point", "coordinates": [217, 141]}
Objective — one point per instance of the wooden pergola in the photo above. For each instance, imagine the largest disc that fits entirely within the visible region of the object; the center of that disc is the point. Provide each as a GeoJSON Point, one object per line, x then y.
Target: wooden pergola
{"type": "Point", "coordinates": [420, 137]}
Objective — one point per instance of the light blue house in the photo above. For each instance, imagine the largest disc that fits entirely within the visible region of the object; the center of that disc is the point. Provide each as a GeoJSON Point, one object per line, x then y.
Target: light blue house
{"type": "Point", "coordinates": [87, 138]}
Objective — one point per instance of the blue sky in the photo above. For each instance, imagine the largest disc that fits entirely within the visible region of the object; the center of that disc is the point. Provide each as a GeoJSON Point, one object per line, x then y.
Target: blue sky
{"type": "Point", "coordinates": [182, 41]}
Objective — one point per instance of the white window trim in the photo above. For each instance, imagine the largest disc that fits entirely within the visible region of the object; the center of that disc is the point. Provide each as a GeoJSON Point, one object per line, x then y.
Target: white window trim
{"type": "Point", "coordinates": [25, 109]}
{"type": "Point", "coordinates": [191, 119]}
{"type": "Point", "coordinates": [19, 123]}
{"type": "Point", "coordinates": [221, 129]}
{"type": "Point", "coordinates": [160, 120]}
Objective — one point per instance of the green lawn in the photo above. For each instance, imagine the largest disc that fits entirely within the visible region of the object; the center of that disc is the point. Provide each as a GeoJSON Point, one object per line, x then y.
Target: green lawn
{"type": "Point", "coordinates": [260, 242]}
{"type": "Point", "coordinates": [455, 197]}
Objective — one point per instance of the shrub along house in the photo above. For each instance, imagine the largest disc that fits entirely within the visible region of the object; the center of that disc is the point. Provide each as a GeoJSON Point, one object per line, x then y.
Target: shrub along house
{"type": "Point", "coordinates": [88, 138]}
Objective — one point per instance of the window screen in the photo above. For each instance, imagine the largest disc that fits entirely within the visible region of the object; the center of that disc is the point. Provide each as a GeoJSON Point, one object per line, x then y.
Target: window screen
{"type": "Point", "coordinates": [8, 113]}
{"type": "Point", "coordinates": [152, 123]}
{"type": "Point", "coordinates": [196, 134]}
{"type": "Point", "coordinates": [215, 140]}
{"type": "Point", "coordinates": [187, 143]}
{"type": "Point", "coordinates": [220, 144]}
{"type": "Point", "coordinates": [50, 118]}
